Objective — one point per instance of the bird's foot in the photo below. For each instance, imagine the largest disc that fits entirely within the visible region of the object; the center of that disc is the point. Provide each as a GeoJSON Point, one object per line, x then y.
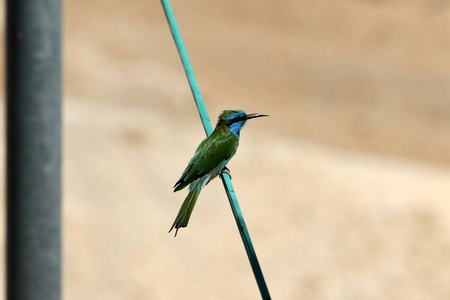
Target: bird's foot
{"type": "Point", "coordinates": [226, 171]}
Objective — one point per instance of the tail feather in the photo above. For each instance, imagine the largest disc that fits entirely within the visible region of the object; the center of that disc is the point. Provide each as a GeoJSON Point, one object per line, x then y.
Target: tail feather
{"type": "Point", "coordinates": [185, 212]}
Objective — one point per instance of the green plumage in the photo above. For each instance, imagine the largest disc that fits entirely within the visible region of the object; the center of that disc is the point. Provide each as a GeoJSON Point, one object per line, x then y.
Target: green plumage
{"type": "Point", "coordinates": [213, 151]}
{"type": "Point", "coordinates": [186, 209]}
{"type": "Point", "coordinates": [209, 160]}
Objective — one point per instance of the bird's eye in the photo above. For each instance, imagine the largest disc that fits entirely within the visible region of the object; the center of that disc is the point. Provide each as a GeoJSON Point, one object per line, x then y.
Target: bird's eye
{"type": "Point", "coordinates": [230, 121]}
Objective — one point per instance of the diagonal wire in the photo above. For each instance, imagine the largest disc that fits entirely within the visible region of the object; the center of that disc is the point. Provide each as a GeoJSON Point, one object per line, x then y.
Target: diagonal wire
{"type": "Point", "coordinates": [208, 129]}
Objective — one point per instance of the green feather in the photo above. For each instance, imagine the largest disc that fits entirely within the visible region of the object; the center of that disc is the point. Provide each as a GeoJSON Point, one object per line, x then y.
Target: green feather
{"type": "Point", "coordinates": [185, 212]}
{"type": "Point", "coordinates": [213, 151]}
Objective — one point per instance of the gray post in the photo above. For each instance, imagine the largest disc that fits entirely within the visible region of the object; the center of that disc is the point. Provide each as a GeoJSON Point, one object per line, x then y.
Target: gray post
{"type": "Point", "coordinates": [33, 121]}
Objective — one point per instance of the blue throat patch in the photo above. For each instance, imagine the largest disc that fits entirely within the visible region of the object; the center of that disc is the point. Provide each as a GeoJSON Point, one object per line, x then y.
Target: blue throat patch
{"type": "Point", "coordinates": [235, 128]}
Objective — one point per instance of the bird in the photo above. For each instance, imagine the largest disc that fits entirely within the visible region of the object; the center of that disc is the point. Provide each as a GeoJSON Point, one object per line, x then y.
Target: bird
{"type": "Point", "coordinates": [210, 160]}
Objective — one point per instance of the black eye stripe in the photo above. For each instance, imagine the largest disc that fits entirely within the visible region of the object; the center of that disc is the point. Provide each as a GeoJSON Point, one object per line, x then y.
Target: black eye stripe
{"type": "Point", "coordinates": [235, 119]}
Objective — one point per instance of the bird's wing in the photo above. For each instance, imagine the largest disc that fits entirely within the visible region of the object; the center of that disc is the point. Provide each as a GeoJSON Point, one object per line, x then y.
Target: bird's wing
{"type": "Point", "coordinates": [209, 154]}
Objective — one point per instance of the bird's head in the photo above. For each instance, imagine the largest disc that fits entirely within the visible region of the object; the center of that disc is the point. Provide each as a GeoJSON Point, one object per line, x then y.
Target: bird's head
{"type": "Point", "coordinates": [235, 119]}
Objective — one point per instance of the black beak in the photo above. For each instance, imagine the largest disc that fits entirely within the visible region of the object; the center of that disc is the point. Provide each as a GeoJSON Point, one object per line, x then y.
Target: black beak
{"type": "Point", "coordinates": [251, 116]}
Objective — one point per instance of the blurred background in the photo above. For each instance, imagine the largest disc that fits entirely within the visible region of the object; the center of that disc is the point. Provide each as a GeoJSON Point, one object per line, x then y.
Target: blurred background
{"type": "Point", "coordinates": [345, 188]}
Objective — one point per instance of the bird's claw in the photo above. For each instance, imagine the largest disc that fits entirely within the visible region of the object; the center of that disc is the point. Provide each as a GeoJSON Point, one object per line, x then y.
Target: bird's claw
{"type": "Point", "coordinates": [226, 171]}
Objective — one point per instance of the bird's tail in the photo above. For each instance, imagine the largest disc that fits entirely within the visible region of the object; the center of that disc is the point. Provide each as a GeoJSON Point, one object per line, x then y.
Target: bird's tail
{"type": "Point", "coordinates": [185, 212]}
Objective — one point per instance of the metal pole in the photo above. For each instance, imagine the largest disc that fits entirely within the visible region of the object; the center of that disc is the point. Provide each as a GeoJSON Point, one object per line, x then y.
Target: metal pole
{"type": "Point", "coordinates": [33, 170]}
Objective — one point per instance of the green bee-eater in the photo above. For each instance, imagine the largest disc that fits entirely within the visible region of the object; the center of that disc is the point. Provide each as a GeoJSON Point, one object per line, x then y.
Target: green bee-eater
{"type": "Point", "coordinates": [210, 160]}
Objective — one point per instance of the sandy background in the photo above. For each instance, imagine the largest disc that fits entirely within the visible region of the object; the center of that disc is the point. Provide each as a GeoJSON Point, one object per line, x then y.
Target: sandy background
{"type": "Point", "coordinates": [345, 188]}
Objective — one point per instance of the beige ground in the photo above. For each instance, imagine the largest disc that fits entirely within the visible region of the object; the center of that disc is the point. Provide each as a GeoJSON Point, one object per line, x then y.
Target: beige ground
{"type": "Point", "coordinates": [345, 188]}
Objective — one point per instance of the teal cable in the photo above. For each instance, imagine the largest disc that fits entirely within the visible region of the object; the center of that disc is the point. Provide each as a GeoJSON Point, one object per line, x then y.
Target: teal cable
{"type": "Point", "coordinates": [257, 272]}
{"type": "Point", "coordinates": [208, 129]}
{"type": "Point", "coordinates": [187, 67]}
